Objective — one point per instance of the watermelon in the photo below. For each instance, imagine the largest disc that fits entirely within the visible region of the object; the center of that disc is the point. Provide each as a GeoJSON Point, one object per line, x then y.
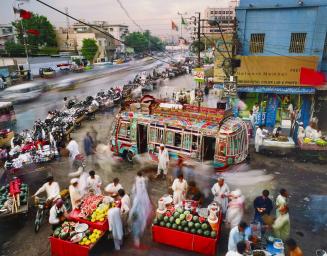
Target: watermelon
{"type": "Point", "coordinates": [88, 232]}
{"type": "Point", "coordinates": [213, 234]}
{"type": "Point", "coordinates": [174, 226]}
{"type": "Point", "coordinates": [179, 227]}
{"type": "Point", "coordinates": [64, 235]}
{"type": "Point", "coordinates": [193, 230]}
{"type": "Point", "coordinates": [155, 221]}
{"type": "Point", "coordinates": [182, 216]}
{"type": "Point", "coordinates": [56, 233]}
{"type": "Point", "coordinates": [197, 225]}
{"type": "Point", "coordinates": [195, 218]}
{"type": "Point", "coordinates": [168, 214]}
{"type": "Point", "coordinates": [206, 233]}
{"type": "Point", "coordinates": [204, 226]}
{"type": "Point", "coordinates": [176, 214]}
{"type": "Point", "coordinates": [202, 220]}
{"type": "Point", "coordinates": [168, 225]}
{"type": "Point", "coordinates": [186, 212]}
{"type": "Point", "coordinates": [184, 223]}
{"type": "Point", "coordinates": [190, 224]}
{"type": "Point", "coordinates": [186, 229]}
{"type": "Point", "coordinates": [178, 221]}
{"type": "Point", "coordinates": [189, 217]}
{"type": "Point", "coordinates": [199, 232]}
{"type": "Point", "coordinates": [162, 223]}
{"type": "Point", "coordinates": [166, 219]}
{"type": "Point", "coordinates": [171, 219]}
{"type": "Point", "coordinates": [160, 217]}
{"type": "Point", "coordinates": [179, 210]}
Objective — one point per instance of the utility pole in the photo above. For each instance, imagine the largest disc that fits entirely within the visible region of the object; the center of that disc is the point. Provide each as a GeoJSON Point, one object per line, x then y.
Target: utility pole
{"type": "Point", "coordinates": [181, 14]}
{"type": "Point", "coordinates": [24, 40]}
{"type": "Point", "coordinates": [199, 57]}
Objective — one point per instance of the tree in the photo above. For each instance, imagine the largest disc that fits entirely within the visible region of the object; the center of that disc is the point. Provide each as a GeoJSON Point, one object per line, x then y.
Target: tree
{"type": "Point", "coordinates": [89, 49]}
{"type": "Point", "coordinates": [144, 41]}
{"type": "Point", "coordinates": [46, 38]}
{"type": "Point", "coordinates": [14, 49]}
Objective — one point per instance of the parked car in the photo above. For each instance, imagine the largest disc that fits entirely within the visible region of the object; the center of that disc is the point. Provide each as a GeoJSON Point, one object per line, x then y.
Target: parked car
{"type": "Point", "coordinates": [47, 72]}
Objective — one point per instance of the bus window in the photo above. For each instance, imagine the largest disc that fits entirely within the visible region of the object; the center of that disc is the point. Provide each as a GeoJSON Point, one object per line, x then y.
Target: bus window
{"type": "Point", "coordinates": [195, 142]}
{"type": "Point", "coordinates": [124, 130]}
{"type": "Point", "coordinates": [178, 140]}
{"type": "Point", "coordinates": [170, 138]}
{"type": "Point", "coordinates": [153, 135]}
{"type": "Point", "coordinates": [187, 141]}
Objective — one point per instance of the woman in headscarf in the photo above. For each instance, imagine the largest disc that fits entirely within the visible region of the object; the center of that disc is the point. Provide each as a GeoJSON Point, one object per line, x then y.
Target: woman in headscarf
{"type": "Point", "coordinates": [141, 208]}
{"type": "Point", "coordinates": [235, 209]}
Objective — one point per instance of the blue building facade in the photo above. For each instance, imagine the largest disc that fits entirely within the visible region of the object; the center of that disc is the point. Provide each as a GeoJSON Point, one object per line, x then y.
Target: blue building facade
{"type": "Point", "coordinates": [282, 28]}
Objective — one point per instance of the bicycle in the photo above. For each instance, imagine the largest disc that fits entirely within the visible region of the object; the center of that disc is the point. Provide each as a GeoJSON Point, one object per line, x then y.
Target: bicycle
{"type": "Point", "coordinates": [43, 208]}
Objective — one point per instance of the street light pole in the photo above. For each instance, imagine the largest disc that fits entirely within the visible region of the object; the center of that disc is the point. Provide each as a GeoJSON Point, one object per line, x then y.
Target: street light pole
{"type": "Point", "coordinates": [199, 56]}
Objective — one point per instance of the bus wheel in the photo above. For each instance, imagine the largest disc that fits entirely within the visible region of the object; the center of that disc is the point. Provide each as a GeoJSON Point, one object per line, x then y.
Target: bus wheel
{"type": "Point", "coordinates": [129, 157]}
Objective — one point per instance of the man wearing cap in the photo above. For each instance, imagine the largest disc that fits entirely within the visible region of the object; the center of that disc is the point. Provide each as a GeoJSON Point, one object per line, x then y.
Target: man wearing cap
{"type": "Point", "coordinates": [57, 214]}
{"type": "Point", "coordinates": [220, 192]}
{"type": "Point", "coordinates": [163, 158]}
{"type": "Point", "coordinates": [75, 194]}
{"type": "Point", "coordinates": [51, 188]}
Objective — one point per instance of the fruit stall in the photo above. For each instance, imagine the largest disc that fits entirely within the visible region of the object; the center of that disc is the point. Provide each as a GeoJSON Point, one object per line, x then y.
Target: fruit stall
{"type": "Point", "coordinates": [93, 211]}
{"type": "Point", "coordinates": [313, 150]}
{"type": "Point", "coordinates": [281, 144]}
{"type": "Point", "coordinates": [13, 199]}
{"type": "Point", "coordinates": [189, 229]}
{"type": "Point", "coordinates": [74, 239]}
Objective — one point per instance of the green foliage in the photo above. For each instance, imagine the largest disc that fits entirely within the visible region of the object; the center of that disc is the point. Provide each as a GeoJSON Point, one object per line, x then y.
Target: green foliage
{"type": "Point", "coordinates": [89, 49]}
{"type": "Point", "coordinates": [14, 50]}
{"type": "Point", "coordinates": [47, 35]}
{"type": "Point", "coordinates": [144, 41]}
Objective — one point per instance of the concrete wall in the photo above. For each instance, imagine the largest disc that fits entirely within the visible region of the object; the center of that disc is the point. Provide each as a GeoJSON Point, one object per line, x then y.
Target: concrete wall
{"type": "Point", "coordinates": [278, 19]}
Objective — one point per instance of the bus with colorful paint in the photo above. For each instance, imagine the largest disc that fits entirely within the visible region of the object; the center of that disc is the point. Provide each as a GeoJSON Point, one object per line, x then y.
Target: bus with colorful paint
{"type": "Point", "coordinates": [204, 134]}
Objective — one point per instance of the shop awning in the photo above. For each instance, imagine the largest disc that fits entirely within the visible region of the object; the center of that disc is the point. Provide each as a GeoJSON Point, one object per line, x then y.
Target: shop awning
{"type": "Point", "coordinates": [277, 90]}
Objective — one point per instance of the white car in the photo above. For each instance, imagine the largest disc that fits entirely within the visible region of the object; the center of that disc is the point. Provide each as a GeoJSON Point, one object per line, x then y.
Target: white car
{"type": "Point", "coordinates": [23, 92]}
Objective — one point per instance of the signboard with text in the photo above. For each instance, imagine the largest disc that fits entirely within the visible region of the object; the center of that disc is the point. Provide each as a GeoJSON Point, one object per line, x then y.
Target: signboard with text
{"type": "Point", "coordinates": [198, 74]}
{"type": "Point", "coordinates": [273, 70]}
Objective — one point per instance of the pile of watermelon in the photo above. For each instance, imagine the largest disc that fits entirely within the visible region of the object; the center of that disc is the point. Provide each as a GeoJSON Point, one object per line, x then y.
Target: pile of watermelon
{"type": "Point", "coordinates": [89, 205]}
{"type": "Point", "coordinates": [185, 221]}
{"type": "Point", "coordinates": [65, 231]}
{"type": "Point", "coordinates": [5, 195]}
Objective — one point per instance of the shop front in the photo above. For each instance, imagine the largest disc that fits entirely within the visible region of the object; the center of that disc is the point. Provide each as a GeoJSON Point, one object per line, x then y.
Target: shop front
{"type": "Point", "coordinates": [276, 104]}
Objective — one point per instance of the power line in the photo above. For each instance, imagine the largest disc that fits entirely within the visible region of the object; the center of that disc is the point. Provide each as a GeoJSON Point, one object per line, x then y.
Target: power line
{"type": "Point", "coordinates": [95, 28]}
{"type": "Point", "coordinates": [127, 14]}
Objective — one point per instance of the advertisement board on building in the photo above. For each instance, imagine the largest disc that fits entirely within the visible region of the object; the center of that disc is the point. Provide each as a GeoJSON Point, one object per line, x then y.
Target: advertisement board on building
{"type": "Point", "coordinates": [221, 54]}
{"type": "Point", "coordinates": [273, 70]}
{"type": "Point", "coordinates": [198, 74]}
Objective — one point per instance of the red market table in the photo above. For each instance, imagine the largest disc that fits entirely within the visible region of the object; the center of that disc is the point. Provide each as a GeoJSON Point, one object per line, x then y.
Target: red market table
{"type": "Point", "coordinates": [186, 241]}
{"type": "Point", "coordinates": [64, 248]}
{"type": "Point", "coordinates": [100, 225]}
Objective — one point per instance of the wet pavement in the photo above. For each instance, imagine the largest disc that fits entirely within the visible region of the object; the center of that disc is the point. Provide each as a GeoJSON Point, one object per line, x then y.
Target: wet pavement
{"type": "Point", "coordinates": [306, 183]}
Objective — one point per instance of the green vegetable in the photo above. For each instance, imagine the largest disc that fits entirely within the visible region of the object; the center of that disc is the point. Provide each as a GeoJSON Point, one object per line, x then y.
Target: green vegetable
{"type": "Point", "coordinates": [204, 226]}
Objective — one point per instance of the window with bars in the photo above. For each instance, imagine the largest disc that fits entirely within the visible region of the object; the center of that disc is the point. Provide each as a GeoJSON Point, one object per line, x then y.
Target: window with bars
{"type": "Point", "coordinates": [297, 43]}
{"type": "Point", "coordinates": [324, 55]}
{"type": "Point", "coordinates": [257, 43]}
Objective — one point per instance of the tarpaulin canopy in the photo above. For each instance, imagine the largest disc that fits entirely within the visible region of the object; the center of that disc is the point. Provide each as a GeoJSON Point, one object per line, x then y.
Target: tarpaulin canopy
{"type": "Point", "coordinates": [277, 90]}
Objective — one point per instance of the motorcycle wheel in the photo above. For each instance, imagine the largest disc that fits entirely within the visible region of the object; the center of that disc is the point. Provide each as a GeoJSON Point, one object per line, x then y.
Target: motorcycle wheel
{"type": "Point", "coordinates": [38, 221]}
{"type": "Point", "coordinates": [129, 157]}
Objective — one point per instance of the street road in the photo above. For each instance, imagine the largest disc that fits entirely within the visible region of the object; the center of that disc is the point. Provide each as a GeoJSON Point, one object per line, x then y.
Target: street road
{"type": "Point", "coordinates": [305, 182]}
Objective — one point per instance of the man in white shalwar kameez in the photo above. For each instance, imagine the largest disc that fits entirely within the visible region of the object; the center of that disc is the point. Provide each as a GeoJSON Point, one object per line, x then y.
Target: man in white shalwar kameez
{"type": "Point", "coordinates": [180, 189]}
{"type": "Point", "coordinates": [220, 192]}
{"type": "Point", "coordinates": [74, 193]}
{"type": "Point", "coordinates": [51, 188]}
{"type": "Point", "coordinates": [163, 158]}
{"type": "Point", "coordinates": [116, 226]}
{"type": "Point", "coordinates": [94, 182]}
{"type": "Point", "coordinates": [73, 150]}
{"type": "Point", "coordinates": [259, 136]}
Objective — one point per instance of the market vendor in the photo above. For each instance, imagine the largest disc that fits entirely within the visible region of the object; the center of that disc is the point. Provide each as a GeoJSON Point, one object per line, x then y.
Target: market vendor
{"type": "Point", "coordinates": [113, 188]}
{"type": "Point", "coordinates": [220, 192]}
{"type": "Point", "coordinates": [193, 193]}
{"type": "Point", "coordinates": [73, 150]}
{"type": "Point", "coordinates": [180, 189]}
{"type": "Point", "coordinates": [259, 136]}
{"type": "Point", "coordinates": [75, 194]}
{"type": "Point", "coordinates": [277, 132]}
{"type": "Point", "coordinates": [311, 131]}
{"type": "Point", "coordinates": [300, 133]}
{"type": "Point", "coordinates": [94, 182]}
{"type": "Point", "coordinates": [236, 235]}
{"type": "Point", "coordinates": [51, 188]}
{"type": "Point", "coordinates": [58, 214]}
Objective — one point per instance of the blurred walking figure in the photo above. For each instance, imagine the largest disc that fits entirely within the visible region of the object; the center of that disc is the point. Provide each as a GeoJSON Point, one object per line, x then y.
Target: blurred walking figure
{"type": "Point", "coordinates": [141, 208]}
{"type": "Point", "coordinates": [89, 148]}
{"type": "Point", "coordinates": [72, 147]}
{"type": "Point", "coordinates": [163, 158]}
{"type": "Point", "coordinates": [281, 200]}
{"type": "Point", "coordinates": [220, 192]}
{"type": "Point", "coordinates": [116, 226]}
{"type": "Point", "coordinates": [235, 209]}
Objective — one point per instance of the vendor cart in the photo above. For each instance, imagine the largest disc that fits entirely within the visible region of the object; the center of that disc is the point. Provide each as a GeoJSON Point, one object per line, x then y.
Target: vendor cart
{"type": "Point", "coordinates": [100, 225]}
{"type": "Point", "coordinates": [274, 146]}
{"type": "Point", "coordinates": [312, 152]}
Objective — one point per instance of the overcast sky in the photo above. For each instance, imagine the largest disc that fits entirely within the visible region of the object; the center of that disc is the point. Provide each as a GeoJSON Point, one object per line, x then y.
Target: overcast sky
{"type": "Point", "coordinates": [155, 15]}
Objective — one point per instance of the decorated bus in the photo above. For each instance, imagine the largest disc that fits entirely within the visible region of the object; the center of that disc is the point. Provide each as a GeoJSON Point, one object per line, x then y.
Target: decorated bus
{"type": "Point", "coordinates": [205, 134]}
